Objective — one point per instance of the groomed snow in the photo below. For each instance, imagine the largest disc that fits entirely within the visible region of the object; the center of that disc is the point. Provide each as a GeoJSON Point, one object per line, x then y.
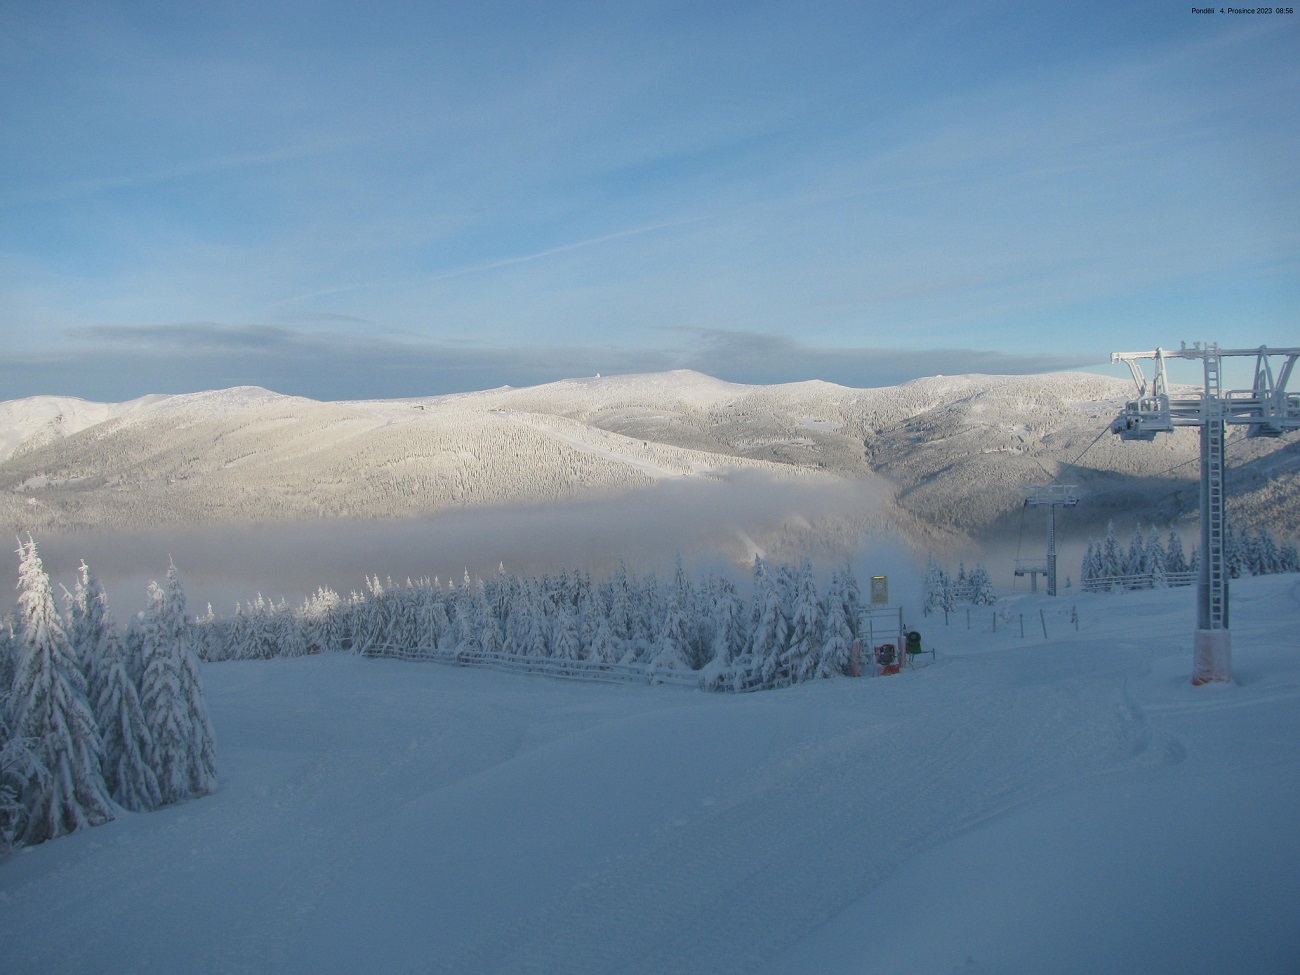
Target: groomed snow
{"type": "Point", "coordinates": [1018, 806]}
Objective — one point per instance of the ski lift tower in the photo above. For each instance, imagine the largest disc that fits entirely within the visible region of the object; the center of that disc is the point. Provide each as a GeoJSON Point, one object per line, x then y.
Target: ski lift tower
{"type": "Point", "coordinates": [1051, 497]}
{"type": "Point", "coordinates": [1266, 410]}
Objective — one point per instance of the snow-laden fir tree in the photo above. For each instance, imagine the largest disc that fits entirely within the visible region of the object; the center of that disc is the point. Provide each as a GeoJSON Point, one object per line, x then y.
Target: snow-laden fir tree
{"type": "Point", "coordinates": [21, 774]}
{"type": "Point", "coordinates": [1136, 563]}
{"type": "Point", "coordinates": [160, 698]}
{"type": "Point", "coordinates": [289, 634]}
{"type": "Point", "coordinates": [8, 656]}
{"type": "Point", "coordinates": [981, 584]}
{"type": "Point", "coordinates": [728, 637]}
{"type": "Point", "coordinates": [837, 627]}
{"type": "Point", "coordinates": [113, 697]}
{"type": "Point", "coordinates": [49, 707]}
{"type": "Point", "coordinates": [1157, 561]}
{"type": "Point", "coordinates": [127, 741]}
{"type": "Point", "coordinates": [604, 646]}
{"type": "Point", "coordinates": [801, 657]}
{"type": "Point", "coordinates": [1113, 563]}
{"type": "Point", "coordinates": [183, 756]}
{"type": "Point", "coordinates": [771, 630]}
{"type": "Point", "coordinates": [203, 748]}
{"type": "Point", "coordinates": [671, 649]}
{"type": "Point", "coordinates": [934, 579]}
{"type": "Point", "coordinates": [209, 640]}
{"type": "Point", "coordinates": [87, 628]}
{"type": "Point", "coordinates": [1175, 557]}
{"type": "Point", "coordinates": [565, 644]}
{"type": "Point", "coordinates": [1234, 551]}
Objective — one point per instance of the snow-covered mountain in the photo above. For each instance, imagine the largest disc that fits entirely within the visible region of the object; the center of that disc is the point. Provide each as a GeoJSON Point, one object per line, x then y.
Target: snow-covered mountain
{"type": "Point", "coordinates": [956, 451]}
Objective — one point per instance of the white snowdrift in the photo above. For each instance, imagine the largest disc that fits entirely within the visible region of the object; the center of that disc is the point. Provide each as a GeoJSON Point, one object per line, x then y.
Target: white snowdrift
{"type": "Point", "coordinates": [1019, 806]}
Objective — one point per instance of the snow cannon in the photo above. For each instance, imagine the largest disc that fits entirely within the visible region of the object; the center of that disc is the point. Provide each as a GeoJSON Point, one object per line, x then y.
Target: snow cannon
{"type": "Point", "coordinates": [887, 659]}
{"type": "Point", "coordinates": [913, 643]}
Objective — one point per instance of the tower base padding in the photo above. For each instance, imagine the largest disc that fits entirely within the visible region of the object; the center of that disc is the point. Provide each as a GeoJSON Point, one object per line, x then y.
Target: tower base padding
{"type": "Point", "coordinates": [1212, 661]}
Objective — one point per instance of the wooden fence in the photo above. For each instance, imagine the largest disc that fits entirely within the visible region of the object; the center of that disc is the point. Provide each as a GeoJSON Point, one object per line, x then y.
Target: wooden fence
{"type": "Point", "coordinates": [587, 670]}
{"type": "Point", "coordinates": [1142, 581]}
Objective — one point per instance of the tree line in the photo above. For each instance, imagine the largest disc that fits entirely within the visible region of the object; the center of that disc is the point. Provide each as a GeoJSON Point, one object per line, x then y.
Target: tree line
{"type": "Point", "coordinates": [1150, 562]}
{"type": "Point", "coordinates": [94, 719]}
{"type": "Point", "coordinates": [944, 590]}
{"type": "Point", "coordinates": [789, 628]}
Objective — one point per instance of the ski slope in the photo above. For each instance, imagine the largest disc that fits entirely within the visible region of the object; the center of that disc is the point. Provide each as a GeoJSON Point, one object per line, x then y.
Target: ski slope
{"type": "Point", "coordinates": [1019, 805]}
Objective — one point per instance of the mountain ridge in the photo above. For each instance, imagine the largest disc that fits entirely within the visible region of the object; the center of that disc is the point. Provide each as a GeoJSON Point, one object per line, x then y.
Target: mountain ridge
{"type": "Point", "coordinates": [955, 452]}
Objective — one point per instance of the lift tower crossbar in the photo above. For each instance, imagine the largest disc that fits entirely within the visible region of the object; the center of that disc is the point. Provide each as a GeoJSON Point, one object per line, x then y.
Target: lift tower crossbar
{"type": "Point", "coordinates": [1267, 409]}
{"type": "Point", "coordinates": [1051, 497]}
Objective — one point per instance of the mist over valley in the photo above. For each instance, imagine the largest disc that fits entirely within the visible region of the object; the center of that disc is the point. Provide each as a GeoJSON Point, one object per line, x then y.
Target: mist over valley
{"type": "Point", "coordinates": [251, 490]}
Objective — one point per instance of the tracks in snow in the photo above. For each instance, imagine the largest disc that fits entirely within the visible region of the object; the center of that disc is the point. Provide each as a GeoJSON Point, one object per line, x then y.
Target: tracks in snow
{"type": "Point", "coordinates": [773, 855]}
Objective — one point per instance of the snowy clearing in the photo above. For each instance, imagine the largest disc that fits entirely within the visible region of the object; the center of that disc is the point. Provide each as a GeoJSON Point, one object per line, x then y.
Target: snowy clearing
{"type": "Point", "coordinates": [1018, 806]}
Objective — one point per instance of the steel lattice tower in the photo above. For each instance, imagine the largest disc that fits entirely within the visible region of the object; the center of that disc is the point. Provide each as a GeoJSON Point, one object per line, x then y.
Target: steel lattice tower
{"type": "Point", "coordinates": [1267, 410]}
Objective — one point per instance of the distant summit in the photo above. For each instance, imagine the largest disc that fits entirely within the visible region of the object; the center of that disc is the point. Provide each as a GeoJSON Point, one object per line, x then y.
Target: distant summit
{"type": "Point", "coordinates": [955, 452]}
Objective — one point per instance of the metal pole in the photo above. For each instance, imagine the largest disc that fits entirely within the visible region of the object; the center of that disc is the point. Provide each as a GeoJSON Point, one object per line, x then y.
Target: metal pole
{"type": "Point", "coordinates": [1051, 549]}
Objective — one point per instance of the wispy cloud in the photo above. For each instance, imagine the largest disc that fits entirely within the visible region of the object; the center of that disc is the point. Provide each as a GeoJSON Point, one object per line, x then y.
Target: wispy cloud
{"type": "Point", "coordinates": [561, 249]}
{"type": "Point", "coordinates": [193, 336]}
{"type": "Point", "coordinates": [188, 169]}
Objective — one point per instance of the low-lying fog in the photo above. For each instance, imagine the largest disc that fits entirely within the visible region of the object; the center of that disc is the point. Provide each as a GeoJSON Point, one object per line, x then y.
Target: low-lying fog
{"type": "Point", "coordinates": [712, 523]}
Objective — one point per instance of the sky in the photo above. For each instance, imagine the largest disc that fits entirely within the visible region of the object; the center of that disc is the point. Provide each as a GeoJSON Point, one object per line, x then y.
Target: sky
{"type": "Point", "coordinates": [350, 201]}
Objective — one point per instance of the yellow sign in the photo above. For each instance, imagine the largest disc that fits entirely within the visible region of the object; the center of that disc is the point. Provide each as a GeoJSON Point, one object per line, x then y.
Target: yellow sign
{"type": "Point", "coordinates": [879, 590]}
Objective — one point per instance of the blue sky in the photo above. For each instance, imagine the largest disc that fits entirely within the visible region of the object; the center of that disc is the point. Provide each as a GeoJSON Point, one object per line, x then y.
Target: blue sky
{"type": "Point", "coordinates": [346, 200]}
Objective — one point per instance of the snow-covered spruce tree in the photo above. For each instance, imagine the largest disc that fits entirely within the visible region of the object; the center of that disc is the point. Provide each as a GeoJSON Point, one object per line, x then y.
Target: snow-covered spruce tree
{"type": "Point", "coordinates": [801, 656]}
{"type": "Point", "coordinates": [209, 636]}
{"type": "Point", "coordinates": [565, 644]}
{"type": "Point", "coordinates": [491, 638]}
{"type": "Point", "coordinates": [1175, 558]}
{"type": "Point", "coordinates": [259, 633]}
{"type": "Point", "coordinates": [1136, 563]}
{"type": "Point", "coordinates": [838, 619]}
{"type": "Point", "coordinates": [113, 696]}
{"type": "Point", "coordinates": [604, 646]}
{"type": "Point", "coordinates": [933, 594]}
{"type": "Point", "coordinates": [8, 655]}
{"type": "Point", "coordinates": [1112, 559]}
{"type": "Point", "coordinates": [535, 640]}
{"type": "Point", "coordinates": [203, 747]}
{"type": "Point", "coordinates": [728, 637]}
{"type": "Point", "coordinates": [771, 630]}
{"type": "Point", "coordinates": [366, 619]}
{"type": "Point", "coordinates": [671, 649]}
{"type": "Point", "coordinates": [87, 629]}
{"type": "Point", "coordinates": [160, 698]}
{"type": "Point", "coordinates": [1157, 560]}
{"type": "Point", "coordinates": [183, 756]}
{"type": "Point", "coordinates": [1264, 556]}
{"type": "Point", "coordinates": [127, 741]}
{"type": "Point", "coordinates": [1234, 551]}
{"type": "Point", "coordinates": [981, 584]}
{"type": "Point", "coordinates": [21, 774]}
{"type": "Point", "coordinates": [948, 599]}
{"type": "Point", "coordinates": [49, 707]}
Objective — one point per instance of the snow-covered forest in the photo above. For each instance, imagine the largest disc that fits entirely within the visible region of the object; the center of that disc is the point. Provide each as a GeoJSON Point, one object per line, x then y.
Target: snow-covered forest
{"type": "Point", "coordinates": [784, 629]}
{"type": "Point", "coordinates": [92, 719]}
{"type": "Point", "coordinates": [1150, 562]}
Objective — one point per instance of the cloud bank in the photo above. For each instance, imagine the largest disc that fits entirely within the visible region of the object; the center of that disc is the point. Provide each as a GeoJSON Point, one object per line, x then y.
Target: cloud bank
{"type": "Point", "coordinates": [117, 363]}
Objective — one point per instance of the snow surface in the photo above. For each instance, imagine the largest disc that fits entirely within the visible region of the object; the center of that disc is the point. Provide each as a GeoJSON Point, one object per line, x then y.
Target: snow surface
{"type": "Point", "coordinates": [1019, 805]}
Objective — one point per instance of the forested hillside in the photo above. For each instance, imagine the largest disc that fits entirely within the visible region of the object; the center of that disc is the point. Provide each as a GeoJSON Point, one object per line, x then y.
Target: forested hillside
{"type": "Point", "coordinates": [956, 451]}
